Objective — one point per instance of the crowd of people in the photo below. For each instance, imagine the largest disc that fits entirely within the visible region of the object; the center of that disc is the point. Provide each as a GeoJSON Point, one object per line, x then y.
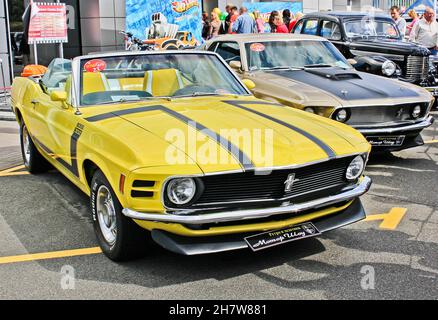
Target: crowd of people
{"type": "Point", "coordinates": [235, 20]}
{"type": "Point", "coordinates": [422, 29]}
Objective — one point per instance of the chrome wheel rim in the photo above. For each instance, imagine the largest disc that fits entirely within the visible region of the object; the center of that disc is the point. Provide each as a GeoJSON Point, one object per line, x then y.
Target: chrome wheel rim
{"type": "Point", "coordinates": [106, 215]}
{"type": "Point", "coordinates": [26, 146]}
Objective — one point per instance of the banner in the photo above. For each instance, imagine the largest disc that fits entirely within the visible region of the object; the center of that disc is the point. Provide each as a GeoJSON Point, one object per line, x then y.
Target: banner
{"type": "Point", "coordinates": [420, 5]}
{"type": "Point", "coordinates": [165, 22]}
{"type": "Point", "coordinates": [47, 23]}
{"type": "Point", "coordinates": [265, 9]}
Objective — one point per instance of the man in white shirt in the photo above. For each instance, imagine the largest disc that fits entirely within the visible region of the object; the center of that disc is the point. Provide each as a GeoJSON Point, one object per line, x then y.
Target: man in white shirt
{"type": "Point", "coordinates": [399, 21]}
{"type": "Point", "coordinates": [425, 31]}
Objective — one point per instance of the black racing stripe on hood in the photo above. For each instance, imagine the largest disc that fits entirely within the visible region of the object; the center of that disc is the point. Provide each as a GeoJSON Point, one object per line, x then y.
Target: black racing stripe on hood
{"type": "Point", "coordinates": [238, 154]}
{"type": "Point", "coordinates": [239, 104]}
{"type": "Point", "coordinates": [369, 87]}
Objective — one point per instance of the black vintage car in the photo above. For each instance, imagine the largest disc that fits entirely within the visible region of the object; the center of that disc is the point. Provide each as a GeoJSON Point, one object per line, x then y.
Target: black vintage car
{"type": "Point", "coordinates": [376, 45]}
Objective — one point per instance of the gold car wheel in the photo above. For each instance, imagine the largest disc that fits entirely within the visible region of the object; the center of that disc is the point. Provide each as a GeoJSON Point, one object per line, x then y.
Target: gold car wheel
{"type": "Point", "coordinates": [106, 215]}
{"type": "Point", "coordinates": [26, 146]}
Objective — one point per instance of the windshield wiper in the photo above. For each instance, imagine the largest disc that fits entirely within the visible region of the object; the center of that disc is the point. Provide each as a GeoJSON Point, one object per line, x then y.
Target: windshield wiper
{"type": "Point", "coordinates": [283, 68]}
{"type": "Point", "coordinates": [197, 94]}
{"type": "Point", "coordinates": [320, 65]}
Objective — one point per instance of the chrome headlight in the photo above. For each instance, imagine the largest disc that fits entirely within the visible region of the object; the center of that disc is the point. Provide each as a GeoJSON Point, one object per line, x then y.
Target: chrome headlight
{"type": "Point", "coordinates": [355, 168]}
{"type": "Point", "coordinates": [389, 68]}
{"type": "Point", "coordinates": [341, 115]}
{"type": "Point", "coordinates": [416, 112]}
{"type": "Point", "coordinates": [309, 109]}
{"type": "Point", "coordinates": [181, 191]}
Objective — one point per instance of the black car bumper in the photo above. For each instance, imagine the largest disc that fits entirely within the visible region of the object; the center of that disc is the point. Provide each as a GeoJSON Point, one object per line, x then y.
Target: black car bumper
{"type": "Point", "coordinates": [398, 137]}
{"type": "Point", "coordinates": [203, 245]}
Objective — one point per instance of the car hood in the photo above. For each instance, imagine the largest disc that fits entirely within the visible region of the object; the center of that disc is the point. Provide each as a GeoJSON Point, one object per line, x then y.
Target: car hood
{"type": "Point", "coordinates": [389, 46]}
{"type": "Point", "coordinates": [349, 86]}
{"type": "Point", "coordinates": [294, 137]}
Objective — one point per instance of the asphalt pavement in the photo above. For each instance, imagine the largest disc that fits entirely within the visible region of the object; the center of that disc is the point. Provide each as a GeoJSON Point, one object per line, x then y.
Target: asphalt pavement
{"type": "Point", "coordinates": [48, 248]}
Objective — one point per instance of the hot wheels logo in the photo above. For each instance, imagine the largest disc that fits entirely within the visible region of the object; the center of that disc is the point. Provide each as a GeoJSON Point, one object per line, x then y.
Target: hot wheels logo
{"type": "Point", "coordinates": [184, 5]}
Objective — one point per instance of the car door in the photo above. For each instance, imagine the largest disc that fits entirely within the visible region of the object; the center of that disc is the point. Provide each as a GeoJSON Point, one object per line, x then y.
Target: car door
{"type": "Point", "coordinates": [310, 27]}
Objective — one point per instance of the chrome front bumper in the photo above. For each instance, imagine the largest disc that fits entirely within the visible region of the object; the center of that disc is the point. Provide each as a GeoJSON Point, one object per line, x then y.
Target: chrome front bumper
{"type": "Point", "coordinates": [412, 127]}
{"type": "Point", "coordinates": [248, 214]}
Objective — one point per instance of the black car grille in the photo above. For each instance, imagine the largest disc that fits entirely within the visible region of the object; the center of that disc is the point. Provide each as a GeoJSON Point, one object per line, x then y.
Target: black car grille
{"type": "Point", "coordinates": [371, 115]}
{"type": "Point", "coordinates": [417, 68]}
{"type": "Point", "coordinates": [245, 189]}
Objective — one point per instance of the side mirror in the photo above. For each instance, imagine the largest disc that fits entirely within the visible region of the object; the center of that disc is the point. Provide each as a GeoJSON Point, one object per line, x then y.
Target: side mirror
{"type": "Point", "coordinates": [249, 84]}
{"type": "Point", "coordinates": [352, 62]}
{"type": "Point", "coordinates": [60, 96]}
{"type": "Point", "coordinates": [236, 65]}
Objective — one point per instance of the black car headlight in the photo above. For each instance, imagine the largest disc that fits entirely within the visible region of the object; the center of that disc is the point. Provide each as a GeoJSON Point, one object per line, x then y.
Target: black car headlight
{"type": "Point", "coordinates": [389, 68]}
{"type": "Point", "coordinates": [355, 168]}
{"type": "Point", "coordinates": [416, 112]}
{"type": "Point", "coordinates": [341, 115]}
{"type": "Point", "coordinates": [181, 191]}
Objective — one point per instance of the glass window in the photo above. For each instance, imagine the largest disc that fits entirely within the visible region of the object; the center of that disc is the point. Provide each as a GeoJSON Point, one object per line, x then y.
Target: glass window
{"type": "Point", "coordinates": [297, 54]}
{"type": "Point", "coordinates": [57, 74]}
{"type": "Point", "coordinates": [330, 30]}
{"type": "Point", "coordinates": [134, 78]}
{"type": "Point", "coordinates": [299, 27]}
{"type": "Point", "coordinates": [363, 28]}
{"type": "Point", "coordinates": [311, 27]}
{"type": "Point", "coordinates": [229, 51]}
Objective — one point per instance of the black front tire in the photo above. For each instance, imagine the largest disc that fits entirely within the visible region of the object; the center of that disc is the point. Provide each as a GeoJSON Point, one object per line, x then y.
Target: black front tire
{"type": "Point", "coordinates": [32, 158]}
{"type": "Point", "coordinates": [129, 240]}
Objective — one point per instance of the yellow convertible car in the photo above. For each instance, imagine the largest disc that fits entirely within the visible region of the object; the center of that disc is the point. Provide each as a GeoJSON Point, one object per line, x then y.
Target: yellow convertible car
{"type": "Point", "coordinates": [173, 143]}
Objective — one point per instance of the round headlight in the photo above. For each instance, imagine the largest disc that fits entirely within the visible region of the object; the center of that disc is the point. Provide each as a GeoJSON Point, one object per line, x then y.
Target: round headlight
{"type": "Point", "coordinates": [309, 109]}
{"type": "Point", "coordinates": [341, 115]}
{"type": "Point", "coordinates": [389, 68]}
{"type": "Point", "coordinates": [181, 191]}
{"type": "Point", "coordinates": [416, 112]}
{"type": "Point", "coordinates": [355, 169]}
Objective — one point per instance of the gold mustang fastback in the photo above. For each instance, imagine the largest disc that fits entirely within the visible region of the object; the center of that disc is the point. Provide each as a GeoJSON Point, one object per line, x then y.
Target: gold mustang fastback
{"type": "Point", "coordinates": [174, 143]}
{"type": "Point", "coordinates": [309, 73]}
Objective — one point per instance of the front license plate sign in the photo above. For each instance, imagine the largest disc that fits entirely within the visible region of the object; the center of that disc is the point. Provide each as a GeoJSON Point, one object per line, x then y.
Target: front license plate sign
{"type": "Point", "coordinates": [388, 141]}
{"type": "Point", "coordinates": [274, 238]}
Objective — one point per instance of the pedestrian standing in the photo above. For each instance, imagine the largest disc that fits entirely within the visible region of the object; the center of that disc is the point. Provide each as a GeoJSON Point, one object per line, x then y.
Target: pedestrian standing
{"type": "Point", "coordinates": [205, 25]}
{"type": "Point", "coordinates": [260, 23]}
{"type": "Point", "coordinates": [233, 18]}
{"type": "Point", "coordinates": [280, 26]}
{"type": "Point", "coordinates": [286, 17]}
{"type": "Point", "coordinates": [414, 16]}
{"type": "Point", "coordinates": [294, 21]}
{"type": "Point", "coordinates": [244, 22]}
{"type": "Point", "coordinates": [272, 17]}
{"type": "Point", "coordinates": [425, 31]}
{"type": "Point", "coordinates": [399, 21]}
{"type": "Point", "coordinates": [215, 25]}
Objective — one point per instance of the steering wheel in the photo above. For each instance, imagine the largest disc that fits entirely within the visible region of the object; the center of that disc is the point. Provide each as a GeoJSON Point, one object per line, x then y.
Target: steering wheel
{"type": "Point", "coordinates": [194, 88]}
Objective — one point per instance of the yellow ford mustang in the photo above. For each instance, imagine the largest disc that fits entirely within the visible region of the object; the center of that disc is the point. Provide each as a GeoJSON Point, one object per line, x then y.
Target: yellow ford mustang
{"type": "Point", "coordinates": [174, 143]}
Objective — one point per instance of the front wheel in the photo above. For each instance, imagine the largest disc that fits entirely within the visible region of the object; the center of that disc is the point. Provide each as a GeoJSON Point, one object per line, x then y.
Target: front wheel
{"type": "Point", "coordinates": [119, 237]}
{"type": "Point", "coordinates": [32, 158]}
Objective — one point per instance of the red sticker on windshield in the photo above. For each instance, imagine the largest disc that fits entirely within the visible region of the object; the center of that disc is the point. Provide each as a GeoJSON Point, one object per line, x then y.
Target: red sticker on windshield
{"type": "Point", "coordinates": [257, 47]}
{"type": "Point", "coordinates": [95, 65]}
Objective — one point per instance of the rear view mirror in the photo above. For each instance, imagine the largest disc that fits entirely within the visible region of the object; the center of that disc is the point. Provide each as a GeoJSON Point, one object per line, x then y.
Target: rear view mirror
{"type": "Point", "coordinates": [236, 65]}
{"type": "Point", "coordinates": [249, 84]}
{"type": "Point", "coordinates": [60, 96]}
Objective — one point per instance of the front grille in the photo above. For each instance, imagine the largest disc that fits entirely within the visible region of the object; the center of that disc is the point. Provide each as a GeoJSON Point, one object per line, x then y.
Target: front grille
{"type": "Point", "coordinates": [371, 115]}
{"type": "Point", "coordinates": [311, 182]}
{"type": "Point", "coordinates": [417, 68]}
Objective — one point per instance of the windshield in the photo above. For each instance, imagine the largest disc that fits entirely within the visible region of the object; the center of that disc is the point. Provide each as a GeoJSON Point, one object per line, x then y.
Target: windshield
{"type": "Point", "coordinates": [140, 77]}
{"type": "Point", "coordinates": [293, 54]}
{"type": "Point", "coordinates": [364, 28]}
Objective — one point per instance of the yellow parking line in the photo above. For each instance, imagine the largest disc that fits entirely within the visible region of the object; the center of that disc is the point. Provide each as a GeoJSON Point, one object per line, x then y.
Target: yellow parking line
{"type": "Point", "coordinates": [50, 255]}
{"type": "Point", "coordinates": [13, 169]}
{"type": "Point", "coordinates": [21, 173]}
{"type": "Point", "coordinates": [390, 220]}
{"type": "Point", "coordinates": [431, 141]}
